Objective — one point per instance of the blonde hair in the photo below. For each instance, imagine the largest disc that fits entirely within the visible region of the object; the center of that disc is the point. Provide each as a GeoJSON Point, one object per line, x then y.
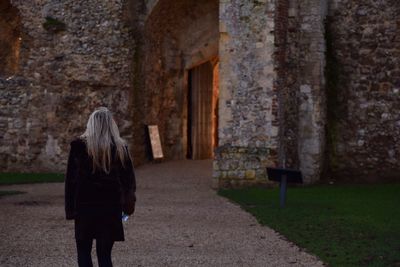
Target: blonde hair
{"type": "Point", "coordinates": [101, 132]}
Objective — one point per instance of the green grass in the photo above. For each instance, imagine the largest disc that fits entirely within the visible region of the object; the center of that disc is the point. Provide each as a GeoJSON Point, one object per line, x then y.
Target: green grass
{"type": "Point", "coordinates": [7, 193]}
{"type": "Point", "coordinates": [343, 225]}
{"type": "Point", "coordinates": [29, 178]}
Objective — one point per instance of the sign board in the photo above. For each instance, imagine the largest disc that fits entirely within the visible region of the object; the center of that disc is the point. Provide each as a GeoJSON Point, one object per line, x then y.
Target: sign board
{"type": "Point", "coordinates": [155, 142]}
{"type": "Point", "coordinates": [284, 176]}
{"type": "Point", "coordinates": [292, 176]}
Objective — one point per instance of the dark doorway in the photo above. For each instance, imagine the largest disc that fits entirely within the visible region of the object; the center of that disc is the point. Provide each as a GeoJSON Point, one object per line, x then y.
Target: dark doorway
{"type": "Point", "coordinates": [202, 110]}
{"type": "Point", "coordinates": [176, 38]}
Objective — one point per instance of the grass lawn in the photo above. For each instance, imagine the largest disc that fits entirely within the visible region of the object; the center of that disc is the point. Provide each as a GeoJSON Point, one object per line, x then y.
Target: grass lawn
{"type": "Point", "coordinates": [28, 178]}
{"type": "Point", "coordinates": [7, 193]}
{"type": "Point", "coordinates": [349, 225]}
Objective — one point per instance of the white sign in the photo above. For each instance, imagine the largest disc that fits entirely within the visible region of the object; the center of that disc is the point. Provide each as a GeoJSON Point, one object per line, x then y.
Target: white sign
{"type": "Point", "coordinates": [155, 142]}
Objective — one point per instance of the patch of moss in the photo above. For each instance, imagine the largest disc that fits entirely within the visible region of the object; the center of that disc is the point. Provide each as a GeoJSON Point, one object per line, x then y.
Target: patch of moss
{"type": "Point", "coordinates": [258, 3]}
{"type": "Point", "coordinates": [54, 25]}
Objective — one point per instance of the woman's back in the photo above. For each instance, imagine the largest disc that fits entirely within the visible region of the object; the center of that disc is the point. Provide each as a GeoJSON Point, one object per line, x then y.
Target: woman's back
{"type": "Point", "coordinates": [99, 185]}
{"type": "Point", "coordinates": [96, 192]}
{"type": "Point", "coordinates": [99, 192]}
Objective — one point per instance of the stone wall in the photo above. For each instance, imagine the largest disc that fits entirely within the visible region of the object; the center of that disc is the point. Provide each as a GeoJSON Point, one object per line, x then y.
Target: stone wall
{"type": "Point", "coordinates": [364, 90]}
{"type": "Point", "coordinates": [248, 111]}
{"type": "Point", "coordinates": [68, 65]}
{"type": "Point", "coordinates": [283, 96]}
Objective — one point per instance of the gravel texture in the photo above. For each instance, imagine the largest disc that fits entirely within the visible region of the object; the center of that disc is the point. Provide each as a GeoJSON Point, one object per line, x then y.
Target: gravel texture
{"type": "Point", "coordinates": [179, 221]}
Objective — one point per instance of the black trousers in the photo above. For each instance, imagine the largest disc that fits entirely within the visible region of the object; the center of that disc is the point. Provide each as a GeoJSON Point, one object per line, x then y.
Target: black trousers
{"type": "Point", "coordinates": [103, 250]}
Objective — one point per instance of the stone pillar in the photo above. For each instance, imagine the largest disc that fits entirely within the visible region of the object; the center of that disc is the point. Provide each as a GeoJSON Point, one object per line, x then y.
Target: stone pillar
{"type": "Point", "coordinates": [248, 119]}
{"type": "Point", "coordinates": [311, 127]}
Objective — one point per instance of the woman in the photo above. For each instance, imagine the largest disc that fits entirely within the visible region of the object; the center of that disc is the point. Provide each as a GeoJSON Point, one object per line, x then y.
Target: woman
{"type": "Point", "coordinates": [99, 186]}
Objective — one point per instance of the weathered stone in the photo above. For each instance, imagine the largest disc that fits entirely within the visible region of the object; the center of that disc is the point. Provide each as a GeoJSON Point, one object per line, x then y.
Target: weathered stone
{"type": "Point", "coordinates": [50, 70]}
{"type": "Point", "coordinates": [366, 58]}
{"type": "Point", "coordinates": [274, 100]}
{"type": "Point", "coordinates": [250, 174]}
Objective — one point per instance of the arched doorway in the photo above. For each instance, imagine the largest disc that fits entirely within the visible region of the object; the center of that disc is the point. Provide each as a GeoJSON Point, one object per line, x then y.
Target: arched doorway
{"type": "Point", "coordinates": [180, 76]}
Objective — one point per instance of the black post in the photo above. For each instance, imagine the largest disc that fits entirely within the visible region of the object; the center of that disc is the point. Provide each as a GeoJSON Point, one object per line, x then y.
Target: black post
{"type": "Point", "coordinates": [284, 176]}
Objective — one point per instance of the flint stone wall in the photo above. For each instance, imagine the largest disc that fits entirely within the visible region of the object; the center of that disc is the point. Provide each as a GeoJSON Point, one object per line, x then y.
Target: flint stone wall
{"type": "Point", "coordinates": [364, 90]}
{"type": "Point", "coordinates": [62, 77]}
{"type": "Point", "coordinates": [276, 59]}
{"type": "Point", "coordinates": [248, 112]}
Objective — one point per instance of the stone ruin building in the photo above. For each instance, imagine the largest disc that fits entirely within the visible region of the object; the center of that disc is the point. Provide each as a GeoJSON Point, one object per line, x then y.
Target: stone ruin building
{"type": "Point", "coordinates": [308, 84]}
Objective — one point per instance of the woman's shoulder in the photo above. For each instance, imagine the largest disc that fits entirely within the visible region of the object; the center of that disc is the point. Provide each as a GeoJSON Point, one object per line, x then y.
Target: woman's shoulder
{"type": "Point", "coordinates": [78, 142]}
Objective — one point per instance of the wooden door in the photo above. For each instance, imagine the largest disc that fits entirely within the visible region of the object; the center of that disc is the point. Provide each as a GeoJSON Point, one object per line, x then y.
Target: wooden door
{"type": "Point", "coordinates": [201, 111]}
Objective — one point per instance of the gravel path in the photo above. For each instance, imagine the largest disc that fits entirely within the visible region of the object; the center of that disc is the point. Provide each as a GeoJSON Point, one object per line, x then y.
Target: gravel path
{"type": "Point", "coordinates": [179, 221]}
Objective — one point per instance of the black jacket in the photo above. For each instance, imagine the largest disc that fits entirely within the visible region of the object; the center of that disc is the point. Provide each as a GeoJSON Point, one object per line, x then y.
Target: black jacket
{"type": "Point", "coordinates": [90, 196]}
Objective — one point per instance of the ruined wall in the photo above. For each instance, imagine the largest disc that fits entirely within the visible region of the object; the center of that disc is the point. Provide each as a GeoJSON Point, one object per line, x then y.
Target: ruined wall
{"type": "Point", "coordinates": [248, 112]}
{"type": "Point", "coordinates": [272, 104]}
{"type": "Point", "coordinates": [177, 37]}
{"type": "Point", "coordinates": [133, 57]}
{"type": "Point", "coordinates": [344, 114]}
{"type": "Point", "coordinates": [364, 89]}
{"type": "Point", "coordinates": [66, 68]}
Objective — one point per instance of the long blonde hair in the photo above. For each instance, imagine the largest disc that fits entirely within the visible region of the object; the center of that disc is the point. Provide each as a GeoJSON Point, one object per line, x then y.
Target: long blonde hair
{"type": "Point", "coordinates": [101, 132]}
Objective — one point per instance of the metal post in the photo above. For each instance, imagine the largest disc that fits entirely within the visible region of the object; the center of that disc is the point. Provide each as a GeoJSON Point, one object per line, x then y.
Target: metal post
{"type": "Point", "coordinates": [282, 194]}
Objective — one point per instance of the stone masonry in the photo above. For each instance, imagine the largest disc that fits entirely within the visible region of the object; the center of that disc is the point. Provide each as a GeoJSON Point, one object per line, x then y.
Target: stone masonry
{"type": "Point", "coordinates": [248, 132]}
{"type": "Point", "coordinates": [62, 76]}
{"type": "Point", "coordinates": [307, 84]}
{"type": "Point", "coordinates": [364, 90]}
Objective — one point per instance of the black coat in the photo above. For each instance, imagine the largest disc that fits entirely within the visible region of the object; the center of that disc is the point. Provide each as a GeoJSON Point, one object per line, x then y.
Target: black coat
{"type": "Point", "coordinates": [95, 200]}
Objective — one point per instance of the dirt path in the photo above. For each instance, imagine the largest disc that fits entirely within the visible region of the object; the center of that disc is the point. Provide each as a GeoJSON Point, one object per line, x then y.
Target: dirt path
{"type": "Point", "coordinates": [179, 221]}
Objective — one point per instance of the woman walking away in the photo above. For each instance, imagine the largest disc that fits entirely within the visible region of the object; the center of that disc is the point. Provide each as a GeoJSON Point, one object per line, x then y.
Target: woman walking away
{"type": "Point", "coordinates": [99, 187]}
